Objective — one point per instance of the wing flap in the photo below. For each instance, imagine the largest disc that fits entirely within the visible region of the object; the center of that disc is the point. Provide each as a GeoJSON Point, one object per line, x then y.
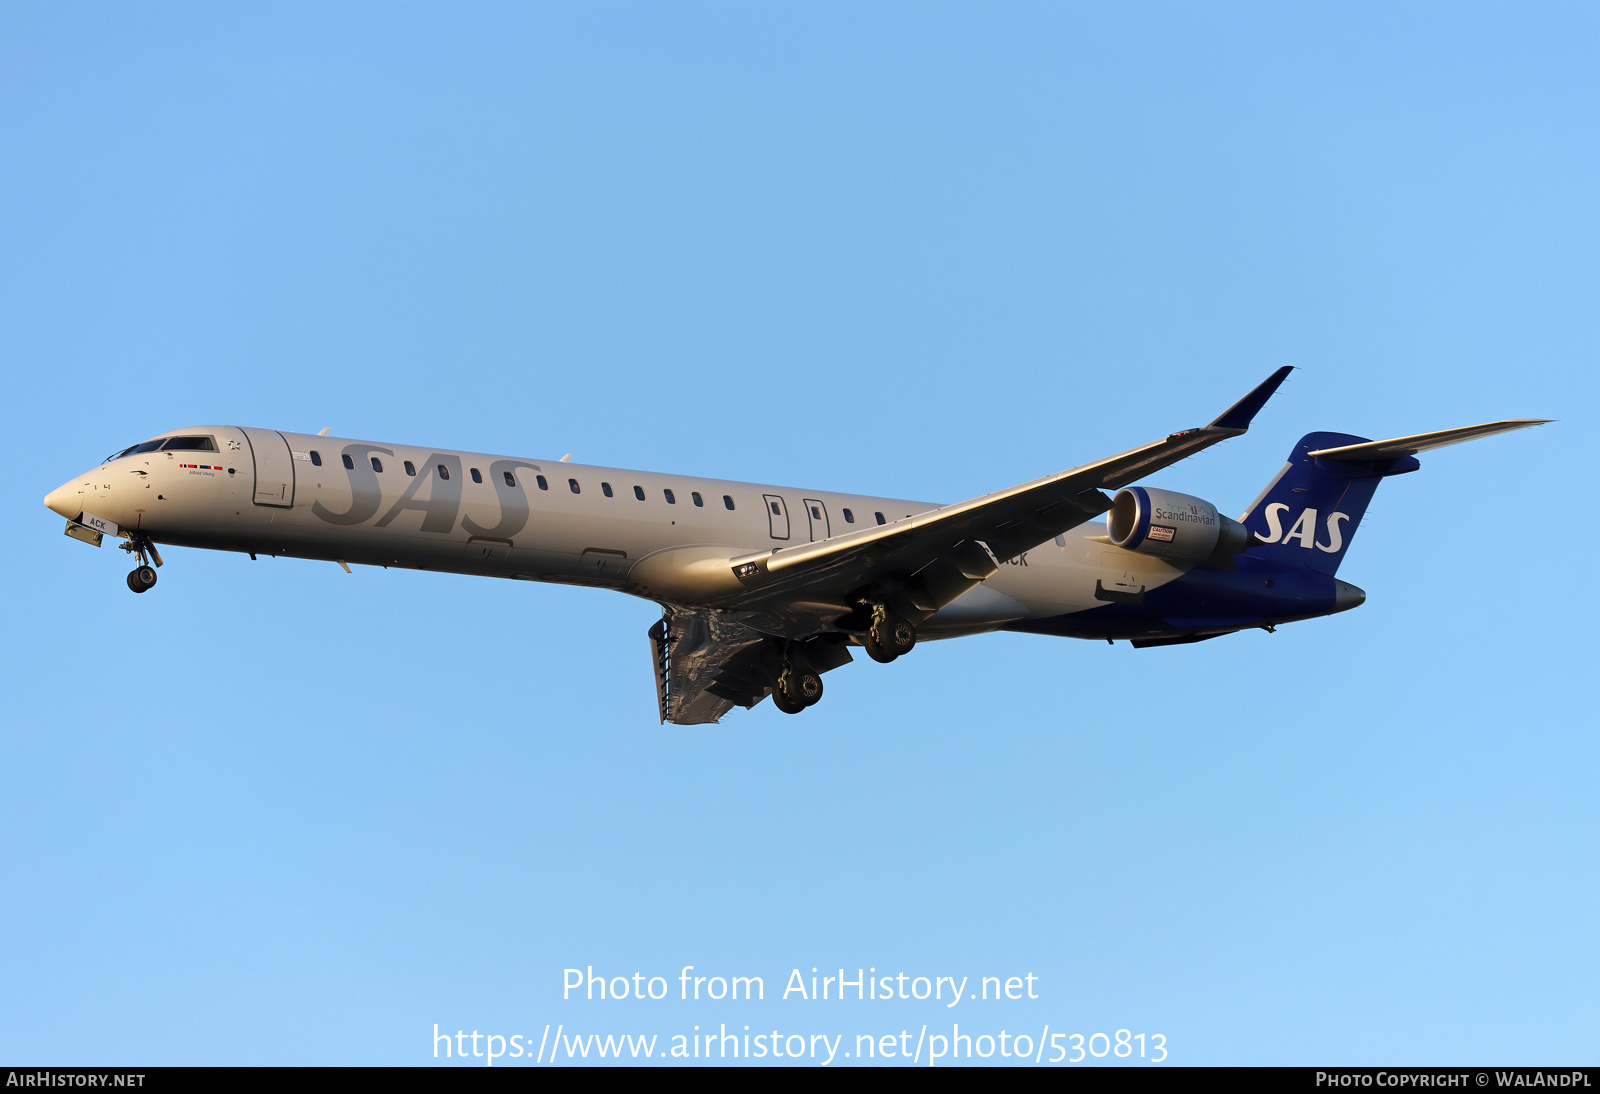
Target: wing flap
{"type": "Point", "coordinates": [708, 662]}
{"type": "Point", "coordinates": [690, 651]}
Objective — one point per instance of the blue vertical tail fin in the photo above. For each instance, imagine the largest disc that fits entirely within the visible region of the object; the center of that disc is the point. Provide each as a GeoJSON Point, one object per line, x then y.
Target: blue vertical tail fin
{"type": "Point", "coordinates": [1309, 513]}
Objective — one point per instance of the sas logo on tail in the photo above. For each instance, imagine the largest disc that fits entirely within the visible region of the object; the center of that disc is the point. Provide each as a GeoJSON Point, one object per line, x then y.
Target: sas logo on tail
{"type": "Point", "coordinates": [1304, 528]}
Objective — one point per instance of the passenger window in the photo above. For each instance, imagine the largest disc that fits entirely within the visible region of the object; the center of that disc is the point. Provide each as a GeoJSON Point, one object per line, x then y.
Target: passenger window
{"type": "Point", "coordinates": [605, 488]}
{"type": "Point", "coordinates": [671, 499]}
{"type": "Point", "coordinates": [316, 458]}
{"type": "Point", "coordinates": [816, 514]}
{"type": "Point", "coordinates": [188, 444]}
{"type": "Point", "coordinates": [574, 484]}
{"type": "Point", "coordinates": [880, 518]}
{"type": "Point", "coordinates": [477, 476]}
{"type": "Point", "coordinates": [509, 480]}
{"type": "Point", "coordinates": [444, 472]}
{"type": "Point", "coordinates": [377, 465]}
{"type": "Point", "coordinates": [775, 510]}
{"type": "Point", "coordinates": [543, 483]}
{"type": "Point", "coordinates": [698, 500]}
{"type": "Point", "coordinates": [849, 517]}
{"type": "Point", "coordinates": [349, 464]}
{"type": "Point", "coordinates": [638, 492]}
{"type": "Point", "coordinates": [411, 469]}
{"type": "Point", "coordinates": [727, 499]}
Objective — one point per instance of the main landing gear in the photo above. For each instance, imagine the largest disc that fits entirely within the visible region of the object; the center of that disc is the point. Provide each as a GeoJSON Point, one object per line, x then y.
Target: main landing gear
{"type": "Point", "coordinates": [798, 687]}
{"type": "Point", "coordinates": [143, 577]}
{"type": "Point", "coordinates": [889, 636]}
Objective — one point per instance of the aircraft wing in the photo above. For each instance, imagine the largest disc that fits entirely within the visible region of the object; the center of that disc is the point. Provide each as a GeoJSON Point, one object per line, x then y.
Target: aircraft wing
{"type": "Point", "coordinates": [707, 662]}
{"type": "Point", "coordinates": [925, 561]}
{"type": "Point", "coordinates": [695, 650]}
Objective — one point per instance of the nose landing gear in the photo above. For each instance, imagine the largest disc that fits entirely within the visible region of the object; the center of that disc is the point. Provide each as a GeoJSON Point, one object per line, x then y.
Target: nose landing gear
{"type": "Point", "coordinates": [143, 577]}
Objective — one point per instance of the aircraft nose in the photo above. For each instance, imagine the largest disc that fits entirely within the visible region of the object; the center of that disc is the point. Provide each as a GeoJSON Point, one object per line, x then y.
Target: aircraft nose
{"type": "Point", "coordinates": [65, 500]}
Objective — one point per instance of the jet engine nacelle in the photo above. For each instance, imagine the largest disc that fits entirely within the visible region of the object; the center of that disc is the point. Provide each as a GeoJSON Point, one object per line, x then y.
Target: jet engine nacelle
{"type": "Point", "coordinates": [1171, 525]}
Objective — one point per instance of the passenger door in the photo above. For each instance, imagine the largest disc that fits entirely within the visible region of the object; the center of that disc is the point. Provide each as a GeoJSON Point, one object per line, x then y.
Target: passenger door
{"type": "Point", "coordinates": [274, 467]}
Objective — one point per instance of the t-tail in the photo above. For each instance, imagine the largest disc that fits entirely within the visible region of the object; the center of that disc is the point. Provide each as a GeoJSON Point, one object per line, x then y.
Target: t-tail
{"type": "Point", "coordinates": [1309, 513]}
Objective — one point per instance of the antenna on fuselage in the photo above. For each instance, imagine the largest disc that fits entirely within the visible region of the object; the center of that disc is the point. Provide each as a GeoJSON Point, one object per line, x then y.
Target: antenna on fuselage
{"type": "Point", "coordinates": [323, 432]}
{"type": "Point", "coordinates": [565, 458]}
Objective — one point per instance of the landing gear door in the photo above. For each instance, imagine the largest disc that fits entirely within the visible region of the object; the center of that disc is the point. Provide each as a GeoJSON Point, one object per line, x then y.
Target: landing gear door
{"type": "Point", "coordinates": [817, 515]}
{"type": "Point", "coordinates": [777, 516]}
{"type": "Point", "coordinates": [274, 467]}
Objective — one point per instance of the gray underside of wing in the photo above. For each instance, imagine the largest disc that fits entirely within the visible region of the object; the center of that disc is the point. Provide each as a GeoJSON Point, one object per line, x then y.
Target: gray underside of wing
{"type": "Point", "coordinates": [693, 651]}
{"type": "Point", "coordinates": [707, 662]}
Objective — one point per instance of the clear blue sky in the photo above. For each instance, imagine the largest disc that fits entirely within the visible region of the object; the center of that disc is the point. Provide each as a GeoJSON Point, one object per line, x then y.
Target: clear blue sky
{"type": "Point", "coordinates": [271, 812]}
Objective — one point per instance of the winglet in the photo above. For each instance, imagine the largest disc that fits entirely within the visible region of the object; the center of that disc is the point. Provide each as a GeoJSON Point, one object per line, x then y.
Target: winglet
{"type": "Point", "coordinates": [1238, 415]}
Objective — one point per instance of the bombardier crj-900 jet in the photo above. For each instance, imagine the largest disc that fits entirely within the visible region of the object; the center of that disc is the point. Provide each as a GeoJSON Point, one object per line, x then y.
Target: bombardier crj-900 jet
{"type": "Point", "coordinates": [765, 588]}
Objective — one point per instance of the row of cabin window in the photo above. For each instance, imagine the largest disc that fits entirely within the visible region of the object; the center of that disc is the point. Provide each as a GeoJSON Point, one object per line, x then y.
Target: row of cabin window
{"type": "Point", "coordinates": [816, 513]}
{"type": "Point", "coordinates": [638, 492]}
{"type": "Point", "coordinates": [544, 484]}
{"type": "Point", "coordinates": [411, 468]}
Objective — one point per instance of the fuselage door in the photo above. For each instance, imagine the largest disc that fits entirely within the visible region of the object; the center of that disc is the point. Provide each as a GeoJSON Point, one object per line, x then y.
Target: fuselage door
{"type": "Point", "coordinates": [1120, 581]}
{"type": "Point", "coordinates": [817, 514]}
{"type": "Point", "coordinates": [777, 516]}
{"type": "Point", "coordinates": [274, 467]}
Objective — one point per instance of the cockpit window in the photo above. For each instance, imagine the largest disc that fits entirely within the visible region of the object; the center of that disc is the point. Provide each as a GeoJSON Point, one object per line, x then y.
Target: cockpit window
{"type": "Point", "coordinates": [189, 444]}
{"type": "Point", "coordinates": [147, 446]}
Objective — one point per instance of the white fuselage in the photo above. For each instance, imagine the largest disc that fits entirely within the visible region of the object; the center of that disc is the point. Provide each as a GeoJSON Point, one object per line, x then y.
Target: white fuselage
{"type": "Point", "coordinates": [316, 497]}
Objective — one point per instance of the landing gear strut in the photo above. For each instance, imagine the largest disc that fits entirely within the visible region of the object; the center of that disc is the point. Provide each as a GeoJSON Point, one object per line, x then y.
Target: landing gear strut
{"type": "Point", "coordinates": [889, 636]}
{"type": "Point", "coordinates": [798, 687]}
{"type": "Point", "coordinates": [143, 577]}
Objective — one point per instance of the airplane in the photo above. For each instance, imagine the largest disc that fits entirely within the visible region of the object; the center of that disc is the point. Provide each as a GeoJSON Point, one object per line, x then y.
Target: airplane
{"type": "Point", "coordinates": [765, 588]}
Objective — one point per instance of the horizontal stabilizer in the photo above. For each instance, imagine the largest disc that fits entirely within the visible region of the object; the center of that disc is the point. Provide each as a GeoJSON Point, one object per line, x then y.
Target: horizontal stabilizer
{"type": "Point", "coordinates": [1395, 447]}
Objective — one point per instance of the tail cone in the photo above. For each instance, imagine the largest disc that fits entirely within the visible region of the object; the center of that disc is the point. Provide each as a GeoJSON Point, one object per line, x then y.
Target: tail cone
{"type": "Point", "coordinates": [1347, 596]}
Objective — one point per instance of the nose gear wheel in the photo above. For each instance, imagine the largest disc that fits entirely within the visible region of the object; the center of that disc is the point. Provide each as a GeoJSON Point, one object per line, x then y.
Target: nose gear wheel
{"type": "Point", "coordinates": [143, 577]}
